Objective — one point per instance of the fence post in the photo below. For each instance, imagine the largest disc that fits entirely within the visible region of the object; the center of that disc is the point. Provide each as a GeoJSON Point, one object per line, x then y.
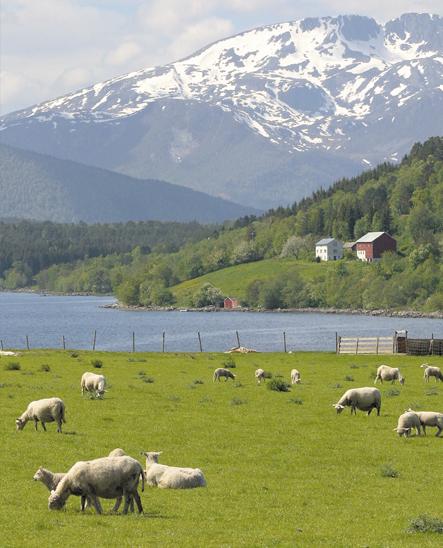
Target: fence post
{"type": "Point", "coordinates": [238, 339]}
{"type": "Point", "coordinates": [376, 350]}
{"type": "Point", "coordinates": [406, 342]}
{"type": "Point", "coordinates": [95, 338]}
{"type": "Point", "coordinates": [336, 342]}
{"type": "Point", "coordinates": [200, 341]}
{"type": "Point", "coordinates": [133, 341]}
{"type": "Point", "coordinates": [1, 344]}
{"type": "Point", "coordinates": [63, 342]}
{"type": "Point", "coordinates": [356, 347]}
{"type": "Point", "coordinates": [163, 342]}
{"type": "Point", "coordinates": [27, 342]}
{"type": "Point", "coordinates": [431, 345]}
{"type": "Point", "coordinates": [284, 340]}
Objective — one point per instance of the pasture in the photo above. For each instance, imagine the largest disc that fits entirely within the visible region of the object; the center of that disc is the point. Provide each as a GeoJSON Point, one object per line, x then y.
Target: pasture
{"type": "Point", "coordinates": [283, 469]}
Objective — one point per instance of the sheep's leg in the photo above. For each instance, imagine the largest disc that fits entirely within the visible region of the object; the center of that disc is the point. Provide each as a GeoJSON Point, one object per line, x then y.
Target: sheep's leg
{"type": "Point", "coordinates": [378, 411]}
{"type": "Point", "coordinates": [83, 503]}
{"type": "Point", "coordinates": [96, 504]}
{"type": "Point", "coordinates": [36, 424]}
{"type": "Point", "coordinates": [424, 429]}
{"type": "Point", "coordinates": [438, 432]}
{"type": "Point", "coordinates": [59, 427]}
{"type": "Point", "coordinates": [43, 426]}
{"type": "Point", "coordinates": [127, 502]}
{"type": "Point", "coordinates": [117, 504]}
{"type": "Point", "coordinates": [138, 502]}
{"type": "Point", "coordinates": [131, 505]}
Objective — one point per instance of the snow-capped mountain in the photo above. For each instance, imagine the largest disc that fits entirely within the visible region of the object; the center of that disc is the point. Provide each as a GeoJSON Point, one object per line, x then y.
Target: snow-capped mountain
{"type": "Point", "coordinates": [263, 117]}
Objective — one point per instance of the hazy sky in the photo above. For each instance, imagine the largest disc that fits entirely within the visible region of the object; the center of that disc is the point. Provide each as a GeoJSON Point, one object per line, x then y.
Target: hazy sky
{"type": "Point", "coordinates": [51, 47]}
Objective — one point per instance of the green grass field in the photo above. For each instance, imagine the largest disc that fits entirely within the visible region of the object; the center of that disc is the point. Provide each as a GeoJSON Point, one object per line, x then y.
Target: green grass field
{"type": "Point", "coordinates": [283, 469]}
{"type": "Point", "coordinates": [235, 279]}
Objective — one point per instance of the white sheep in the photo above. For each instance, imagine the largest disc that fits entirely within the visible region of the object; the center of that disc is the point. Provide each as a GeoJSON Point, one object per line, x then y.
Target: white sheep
{"type": "Point", "coordinates": [107, 477]}
{"type": "Point", "coordinates": [91, 382]}
{"type": "Point", "coordinates": [386, 373]}
{"type": "Point", "coordinates": [429, 418]}
{"type": "Point", "coordinates": [117, 453]}
{"type": "Point", "coordinates": [52, 479]}
{"type": "Point", "coordinates": [406, 422]}
{"type": "Point", "coordinates": [171, 477]}
{"type": "Point", "coordinates": [222, 372]}
{"type": "Point", "coordinates": [365, 399]}
{"type": "Point", "coordinates": [295, 377]}
{"type": "Point", "coordinates": [260, 375]}
{"type": "Point", "coordinates": [432, 371]}
{"type": "Point", "coordinates": [46, 410]}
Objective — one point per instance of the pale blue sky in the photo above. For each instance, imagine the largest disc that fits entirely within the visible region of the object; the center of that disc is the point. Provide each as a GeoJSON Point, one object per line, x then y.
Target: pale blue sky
{"type": "Point", "coordinates": [51, 47]}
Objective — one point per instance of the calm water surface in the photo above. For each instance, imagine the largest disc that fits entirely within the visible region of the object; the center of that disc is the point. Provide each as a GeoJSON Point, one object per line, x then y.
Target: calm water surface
{"type": "Point", "coordinates": [46, 318]}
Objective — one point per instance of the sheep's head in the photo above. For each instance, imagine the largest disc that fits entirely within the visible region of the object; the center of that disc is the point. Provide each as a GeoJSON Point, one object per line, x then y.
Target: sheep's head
{"type": "Point", "coordinates": [151, 456]}
{"type": "Point", "coordinates": [401, 380]}
{"type": "Point", "coordinates": [339, 407]}
{"type": "Point", "coordinates": [19, 424]}
{"type": "Point", "coordinates": [38, 475]}
{"type": "Point", "coordinates": [55, 502]}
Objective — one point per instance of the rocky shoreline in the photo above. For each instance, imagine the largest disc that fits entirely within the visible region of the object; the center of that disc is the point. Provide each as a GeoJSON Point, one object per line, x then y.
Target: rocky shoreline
{"type": "Point", "coordinates": [357, 312]}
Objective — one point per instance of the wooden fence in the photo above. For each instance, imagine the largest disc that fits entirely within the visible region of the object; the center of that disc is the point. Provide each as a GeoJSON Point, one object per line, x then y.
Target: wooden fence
{"type": "Point", "coordinates": [366, 345]}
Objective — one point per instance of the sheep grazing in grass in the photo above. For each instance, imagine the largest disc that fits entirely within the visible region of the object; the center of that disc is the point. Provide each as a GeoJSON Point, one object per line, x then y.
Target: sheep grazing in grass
{"type": "Point", "coordinates": [171, 477]}
{"type": "Point", "coordinates": [91, 382]}
{"type": "Point", "coordinates": [407, 422]}
{"type": "Point", "coordinates": [365, 399]}
{"type": "Point", "coordinates": [432, 371]}
{"type": "Point", "coordinates": [52, 479]}
{"type": "Point", "coordinates": [222, 372]}
{"type": "Point", "coordinates": [108, 478]}
{"type": "Point", "coordinates": [295, 377]}
{"type": "Point", "coordinates": [429, 418]}
{"type": "Point", "coordinates": [386, 373]}
{"type": "Point", "coordinates": [260, 375]}
{"type": "Point", "coordinates": [46, 410]}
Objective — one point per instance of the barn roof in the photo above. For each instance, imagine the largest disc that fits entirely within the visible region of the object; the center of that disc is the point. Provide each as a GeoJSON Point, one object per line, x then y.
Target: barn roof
{"type": "Point", "coordinates": [370, 237]}
{"type": "Point", "coordinates": [325, 241]}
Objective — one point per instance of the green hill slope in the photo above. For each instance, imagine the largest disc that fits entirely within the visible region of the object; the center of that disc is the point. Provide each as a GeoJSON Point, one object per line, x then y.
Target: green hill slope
{"type": "Point", "coordinates": [40, 187]}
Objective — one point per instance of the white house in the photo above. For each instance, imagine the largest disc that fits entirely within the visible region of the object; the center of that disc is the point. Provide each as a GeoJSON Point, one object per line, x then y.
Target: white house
{"type": "Point", "coordinates": [329, 249]}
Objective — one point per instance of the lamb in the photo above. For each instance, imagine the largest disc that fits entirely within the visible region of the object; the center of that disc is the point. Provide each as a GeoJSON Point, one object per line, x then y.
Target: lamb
{"type": "Point", "coordinates": [222, 372]}
{"type": "Point", "coordinates": [107, 477]}
{"type": "Point", "coordinates": [260, 375]}
{"type": "Point", "coordinates": [432, 371]}
{"type": "Point", "coordinates": [52, 479]}
{"type": "Point", "coordinates": [93, 383]}
{"type": "Point", "coordinates": [407, 422]}
{"type": "Point", "coordinates": [429, 418]}
{"type": "Point", "coordinates": [46, 410]}
{"type": "Point", "coordinates": [365, 399]}
{"type": "Point", "coordinates": [171, 477]}
{"type": "Point", "coordinates": [295, 377]}
{"type": "Point", "coordinates": [386, 373]}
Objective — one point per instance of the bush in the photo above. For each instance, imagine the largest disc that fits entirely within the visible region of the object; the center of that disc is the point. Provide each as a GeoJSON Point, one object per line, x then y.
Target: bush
{"type": "Point", "coordinates": [74, 354]}
{"type": "Point", "coordinates": [45, 368]}
{"type": "Point", "coordinates": [278, 385]}
{"type": "Point", "coordinates": [349, 378]}
{"type": "Point", "coordinates": [425, 524]}
{"type": "Point", "coordinates": [229, 363]}
{"type": "Point", "coordinates": [98, 364]}
{"type": "Point", "coordinates": [12, 366]}
{"type": "Point", "coordinates": [387, 471]}
{"type": "Point", "coordinates": [296, 401]}
{"type": "Point", "coordinates": [238, 401]}
{"type": "Point", "coordinates": [392, 393]}
{"type": "Point", "coordinates": [197, 381]}
{"type": "Point", "coordinates": [145, 378]}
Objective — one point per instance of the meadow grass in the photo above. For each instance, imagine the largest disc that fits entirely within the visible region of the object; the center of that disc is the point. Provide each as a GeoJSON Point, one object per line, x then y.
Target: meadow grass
{"type": "Point", "coordinates": [278, 474]}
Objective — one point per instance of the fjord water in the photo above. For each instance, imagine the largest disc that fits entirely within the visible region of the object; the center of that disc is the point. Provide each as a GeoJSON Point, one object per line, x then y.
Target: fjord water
{"type": "Point", "coordinates": [45, 319]}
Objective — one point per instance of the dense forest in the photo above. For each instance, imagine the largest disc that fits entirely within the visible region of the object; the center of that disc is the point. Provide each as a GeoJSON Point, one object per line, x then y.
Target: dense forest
{"type": "Point", "coordinates": [405, 200]}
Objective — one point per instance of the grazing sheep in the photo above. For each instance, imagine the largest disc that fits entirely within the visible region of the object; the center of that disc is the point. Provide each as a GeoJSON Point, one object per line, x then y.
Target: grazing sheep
{"type": "Point", "coordinates": [260, 375]}
{"type": "Point", "coordinates": [222, 372]}
{"type": "Point", "coordinates": [47, 410]}
{"type": "Point", "coordinates": [406, 423]}
{"type": "Point", "coordinates": [386, 373]}
{"type": "Point", "coordinates": [93, 383]}
{"type": "Point", "coordinates": [365, 399]}
{"type": "Point", "coordinates": [429, 418]}
{"type": "Point", "coordinates": [295, 377]}
{"type": "Point", "coordinates": [117, 453]}
{"type": "Point", "coordinates": [171, 477]}
{"type": "Point", "coordinates": [107, 477]}
{"type": "Point", "coordinates": [52, 479]}
{"type": "Point", "coordinates": [431, 371]}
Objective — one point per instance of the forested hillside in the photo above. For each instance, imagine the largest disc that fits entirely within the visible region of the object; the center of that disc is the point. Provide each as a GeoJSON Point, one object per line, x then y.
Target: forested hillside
{"type": "Point", "coordinates": [406, 200]}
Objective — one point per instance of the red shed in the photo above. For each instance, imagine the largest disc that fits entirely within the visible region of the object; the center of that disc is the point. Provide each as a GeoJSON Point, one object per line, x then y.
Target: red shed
{"type": "Point", "coordinates": [373, 244]}
{"type": "Point", "coordinates": [229, 302]}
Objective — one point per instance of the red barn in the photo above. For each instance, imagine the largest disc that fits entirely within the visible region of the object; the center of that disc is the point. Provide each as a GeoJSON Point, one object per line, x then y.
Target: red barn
{"type": "Point", "coordinates": [229, 302]}
{"type": "Point", "coordinates": [373, 244]}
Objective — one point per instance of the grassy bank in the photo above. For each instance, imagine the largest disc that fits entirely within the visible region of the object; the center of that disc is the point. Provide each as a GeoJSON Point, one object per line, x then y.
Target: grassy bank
{"type": "Point", "coordinates": [282, 468]}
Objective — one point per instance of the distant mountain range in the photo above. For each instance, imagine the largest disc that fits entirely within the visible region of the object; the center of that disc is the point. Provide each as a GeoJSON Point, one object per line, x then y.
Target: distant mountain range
{"type": "Point", "coordinates": [36, 186]}
{"type": "Point", "coordinates": [262, 118]}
